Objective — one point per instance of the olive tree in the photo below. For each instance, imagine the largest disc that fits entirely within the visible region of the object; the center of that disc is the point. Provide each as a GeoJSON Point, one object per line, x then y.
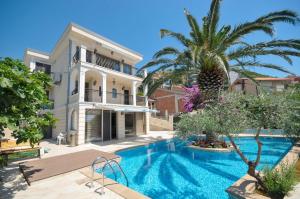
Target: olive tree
{"type": "Point", "coordinates": [233, 113]}
{"type": "Point", "coordinates": [22, 96]}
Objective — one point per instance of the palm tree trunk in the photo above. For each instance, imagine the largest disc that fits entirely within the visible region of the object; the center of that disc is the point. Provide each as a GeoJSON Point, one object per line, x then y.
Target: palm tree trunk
{"type": "Point", "coordinates": [211, 137]}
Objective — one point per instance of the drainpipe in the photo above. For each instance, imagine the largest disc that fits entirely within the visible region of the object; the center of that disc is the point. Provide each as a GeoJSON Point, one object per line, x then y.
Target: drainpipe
{"type": "Point", "coordinates": [68, 87]}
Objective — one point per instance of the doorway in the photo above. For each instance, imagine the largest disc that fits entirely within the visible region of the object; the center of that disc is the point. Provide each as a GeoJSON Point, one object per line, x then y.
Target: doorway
{"type": "Point", "coordinates": [106, 125]}
{"type": "Point", "coordinates": [129, 124]}
{"type": "Point", "coordinates": [126, 97]}
{"type": "Point", "coordinates": [113, 125]}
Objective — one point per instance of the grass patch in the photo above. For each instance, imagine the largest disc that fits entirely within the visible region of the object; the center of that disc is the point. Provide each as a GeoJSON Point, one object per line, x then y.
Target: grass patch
{"type": "Point", "coordinates": [20, 155]}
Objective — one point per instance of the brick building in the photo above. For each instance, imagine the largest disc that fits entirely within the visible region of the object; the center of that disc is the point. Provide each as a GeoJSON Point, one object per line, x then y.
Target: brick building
{"type": "Point", "coordinates": [167, 101]}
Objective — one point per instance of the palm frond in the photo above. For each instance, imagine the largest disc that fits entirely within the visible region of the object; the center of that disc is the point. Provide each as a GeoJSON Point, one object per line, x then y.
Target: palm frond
{"type": "Point", "coordinates": [195, 30]}
{"type": "Point", "coordinates": [166, 51]}
{"type": "Point", "coordinates": [241, 64]}
{"type": "Point", "coordinates": [213, 19]}
{"type": "Point", "coordinates": [180, 37]}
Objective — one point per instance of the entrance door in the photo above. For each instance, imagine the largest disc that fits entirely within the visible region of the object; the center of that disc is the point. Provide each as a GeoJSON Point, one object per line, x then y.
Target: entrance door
{"type": "Point", "coordinates": [113, 125]}
{"type": "Point", "coordinates": [126, 96]}
{"type": "Point", "coordinates": [106, 125]}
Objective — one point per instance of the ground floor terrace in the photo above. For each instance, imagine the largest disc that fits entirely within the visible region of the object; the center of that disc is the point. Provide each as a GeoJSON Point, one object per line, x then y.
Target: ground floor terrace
{"type": "Point", "coordinates": [89, 122]}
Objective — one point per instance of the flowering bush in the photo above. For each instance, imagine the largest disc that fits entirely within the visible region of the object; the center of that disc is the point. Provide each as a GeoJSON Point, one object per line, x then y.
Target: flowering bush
{"type": "Point", "coordinates": [192, 98]}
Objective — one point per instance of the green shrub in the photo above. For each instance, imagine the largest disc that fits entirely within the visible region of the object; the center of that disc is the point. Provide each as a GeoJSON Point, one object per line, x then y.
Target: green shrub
{"type": "Point", "coordinates": [279, 182]}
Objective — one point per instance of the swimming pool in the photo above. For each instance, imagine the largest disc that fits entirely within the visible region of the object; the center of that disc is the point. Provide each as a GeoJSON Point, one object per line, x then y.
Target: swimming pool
{"type": "Point", "coordinates": [168, 169]}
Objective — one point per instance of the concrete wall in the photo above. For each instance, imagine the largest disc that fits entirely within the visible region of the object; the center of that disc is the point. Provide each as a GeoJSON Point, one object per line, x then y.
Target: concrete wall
{"type": "Point", "coordinates": [139, 124]}
{"type": "Point", "coordinates": [158, 124]}
{"type": "Point", "coordinates": [60, 125]}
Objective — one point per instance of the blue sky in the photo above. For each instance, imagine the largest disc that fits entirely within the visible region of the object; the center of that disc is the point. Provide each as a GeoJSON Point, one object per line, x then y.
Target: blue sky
{"type": "Point", "coordinates": [133, 23]}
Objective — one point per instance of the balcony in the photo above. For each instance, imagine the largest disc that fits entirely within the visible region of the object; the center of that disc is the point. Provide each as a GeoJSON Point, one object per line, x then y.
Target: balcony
{"type": "Point", "coordinates": [92, 95]}
{"type": "Point", "coordinates": [106, 62]}
{"type": "Point", "coordinates": [112, 98]}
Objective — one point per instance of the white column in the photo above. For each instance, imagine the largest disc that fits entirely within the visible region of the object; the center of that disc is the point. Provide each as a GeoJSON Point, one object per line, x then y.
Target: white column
{"type": "Point", "coordinates": [147, 121]}
{"type": "Point", "coordinates": [32, 65]}
{"type": "Point", "coordinates": [83, 53]}
{"type": "Point", "coordinates": [146, 88]}
{"type": "Point", "coordinates": [133, 92]}
{"type": "Point", "coordinates": [103, 86]}
{"type": "Point", "coordinates": [81, 84]}
{"type": "Point", "coordinates": [120, 125]}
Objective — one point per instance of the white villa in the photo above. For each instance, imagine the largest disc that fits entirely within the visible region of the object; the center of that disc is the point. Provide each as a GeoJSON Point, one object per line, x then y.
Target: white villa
{"type": "Point", "coordinates": [95, 86]}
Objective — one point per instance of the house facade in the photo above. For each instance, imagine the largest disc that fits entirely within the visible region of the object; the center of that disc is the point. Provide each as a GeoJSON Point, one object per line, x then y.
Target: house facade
{"type": "Point", "coordinates": [94, 86]}
{"type": "Point", "coordinates": [269, 84]}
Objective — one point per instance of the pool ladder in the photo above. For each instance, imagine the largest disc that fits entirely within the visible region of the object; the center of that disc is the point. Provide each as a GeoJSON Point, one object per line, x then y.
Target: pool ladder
{"type": "Point", "coordinates": [106, 162]}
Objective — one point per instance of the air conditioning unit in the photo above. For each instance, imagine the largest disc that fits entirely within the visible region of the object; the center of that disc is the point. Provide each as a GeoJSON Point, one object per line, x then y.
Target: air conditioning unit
{"type": "Point", "coordinates": [56, 78]}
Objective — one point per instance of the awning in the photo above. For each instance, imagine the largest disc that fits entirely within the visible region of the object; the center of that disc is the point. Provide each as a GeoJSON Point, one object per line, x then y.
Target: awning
{"type": "Point", "coordinates": [131, 109]}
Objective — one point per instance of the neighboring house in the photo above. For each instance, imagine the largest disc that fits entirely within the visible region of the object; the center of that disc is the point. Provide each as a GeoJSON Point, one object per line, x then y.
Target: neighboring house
{"type": "Point", "coordinates": [168, 101]}
{"type": "Point", "coordinates": [270, 84]}
{"type": "Point", "coordinates": [95, 86]}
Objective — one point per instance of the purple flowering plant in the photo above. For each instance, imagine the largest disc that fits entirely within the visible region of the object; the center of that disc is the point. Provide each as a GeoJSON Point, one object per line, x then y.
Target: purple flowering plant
{"type": "Point", "coordinates": [193, 99]}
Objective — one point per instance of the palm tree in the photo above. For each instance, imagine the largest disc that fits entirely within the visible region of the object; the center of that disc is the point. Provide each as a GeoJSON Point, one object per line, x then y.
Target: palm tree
{"type": "Point", "coordinates": [210, 52]}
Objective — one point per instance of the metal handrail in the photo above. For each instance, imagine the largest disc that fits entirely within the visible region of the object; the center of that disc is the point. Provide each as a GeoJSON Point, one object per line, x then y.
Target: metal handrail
{"type": "Point", "coordinates": [109, 161]}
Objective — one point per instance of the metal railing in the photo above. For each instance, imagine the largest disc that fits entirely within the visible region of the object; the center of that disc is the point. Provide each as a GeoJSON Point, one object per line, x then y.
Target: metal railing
{"type": "Point", "coordinates": [118, 98]}
{"type": "Point", "coordinates": [92, 95]}
{"type": "Point", "coordinates": [140, 100]}
{"type": "Point", "coordinates": [104, 163]}
{"type": "Point", "coordinates": [107, 62]}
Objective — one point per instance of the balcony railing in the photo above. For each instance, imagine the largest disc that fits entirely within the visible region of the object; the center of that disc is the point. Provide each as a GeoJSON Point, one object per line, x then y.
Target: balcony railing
{"type": "Point", "coordinates": [92, 95]}
{"type": "Point", "coordinates": [107, 62]}
{"type": "Point", "coordinates": [119, 98]}
{"type": "Point", "coordinates": [140, 101]}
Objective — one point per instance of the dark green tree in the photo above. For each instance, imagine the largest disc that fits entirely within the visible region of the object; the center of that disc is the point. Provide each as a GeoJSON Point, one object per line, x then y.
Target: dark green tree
{"type": "Point", "coordinates": [22, 98]}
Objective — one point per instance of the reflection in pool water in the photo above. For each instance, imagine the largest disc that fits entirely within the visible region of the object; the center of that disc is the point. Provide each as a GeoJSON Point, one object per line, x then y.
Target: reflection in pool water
{"type": "Point", "coordinates": [168, 169]}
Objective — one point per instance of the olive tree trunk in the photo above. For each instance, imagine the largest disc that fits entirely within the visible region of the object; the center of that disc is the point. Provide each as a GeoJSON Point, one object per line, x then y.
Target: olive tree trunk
{"type": "Point", "coordinates": [251, 164]}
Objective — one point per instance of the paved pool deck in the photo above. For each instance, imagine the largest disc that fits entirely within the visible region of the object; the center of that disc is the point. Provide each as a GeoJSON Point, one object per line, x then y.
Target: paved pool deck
{"type": "Point", "coordinates": [72, 184]}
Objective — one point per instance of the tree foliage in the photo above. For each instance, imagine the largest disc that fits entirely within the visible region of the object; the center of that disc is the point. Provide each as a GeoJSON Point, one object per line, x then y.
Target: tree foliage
{"type": "Point", "coordinates": [235, 112]}
{"type": "Point", "coordinates": [22, 97]}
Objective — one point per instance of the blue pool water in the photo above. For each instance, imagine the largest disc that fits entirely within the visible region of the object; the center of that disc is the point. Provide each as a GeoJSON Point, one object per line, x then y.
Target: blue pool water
{"type": "Point", "coordinates": [167, 169]}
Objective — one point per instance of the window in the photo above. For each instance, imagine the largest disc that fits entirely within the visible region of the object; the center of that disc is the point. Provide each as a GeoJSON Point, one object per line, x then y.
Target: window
{"type": "Point", "coordinates": [114, 93]}
{"type": "Point", "coordinates": [75, 91]}
{"type": "Point", "coordinates": [100, 91]}
{"type": "Point", "coordinates": [74, 120]}
{"type": "Point", "coordinates": [88, 56]}
{"type": "Point", "coordinates": [117, 66]}
{"type": "Point", "coordinates": [46, 68]}
{"type": "Point", "coordinates": [127, 69]}
{"type": "Point", "coordinates": [76, 55]}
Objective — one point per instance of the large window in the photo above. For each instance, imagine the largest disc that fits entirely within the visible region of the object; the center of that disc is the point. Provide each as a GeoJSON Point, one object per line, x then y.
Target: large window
{"type": "Point", "coordinates": [127, 69]}
{"type": "Point", "coordinates": [114, 93]}
{"type": "Point", "coordinates": [46, 68]}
